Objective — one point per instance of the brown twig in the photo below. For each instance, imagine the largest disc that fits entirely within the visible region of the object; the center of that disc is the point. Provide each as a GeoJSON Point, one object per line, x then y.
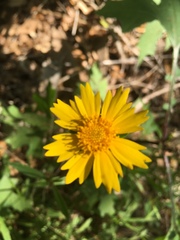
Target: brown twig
{"type": "Point", "coordinates": [75, 24]}
{"type": "Point", "coordinates": [153, 95]}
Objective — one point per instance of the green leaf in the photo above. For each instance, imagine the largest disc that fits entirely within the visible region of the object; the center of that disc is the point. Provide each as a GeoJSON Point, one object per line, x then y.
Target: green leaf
{"type": "Point", "coordinates": [28, 171]}
{"type": "Point", "coordinates": [6, 117]}
{"type": "Point", "coordinates": [172, 234]}
{"type": "Point", "coordinates": [166, 105]}
{"type": "Point", "coordinates": [147, 42]}
{"type": "Point", "coordinates": [42, 105]}
{"type": "Point", "coordinates": [9, 198]}
{"type": "Point", "coordinates": [51, 95]}
{"type": "Point", "coordinates": [84, 226]}
{"type": "Point", "coordinates": [34, 146]}
{"type": "Point", "coordinates": [19, 137]}
{"type": "Point", "coordinates": [177, 72]}
{"type": "Point", "coordinates": [151, 126]}
{"type": "Point", "coordinates": [4, 230]}
{"type": "Point", "coordinates": [157, 1]}
{"type": "Point", "coordinates": [36, 120]}
{"type": "Point", "coordinates": [6, 186]}
{"type": "Point", "coordinates": [106, 205]}
{"type": "Point", "coordinates": [133, 13]}
{"type": "Point", "coordinates": [168, 14]}
{"type": "Point", "coordinates": [25, 136]}
{"type": "Point", "coordinates": [58, 181]}
{"type": "Point", "coordinates": [18, 202]}
{"type": "Point", "coordinates": [14, 112]}
{"type": "Point", "coordinates": [60, 202]}
{"type": "Point", "coordinates": [130, 13]}
{"type": "Point", "coordinates": [97, 82]}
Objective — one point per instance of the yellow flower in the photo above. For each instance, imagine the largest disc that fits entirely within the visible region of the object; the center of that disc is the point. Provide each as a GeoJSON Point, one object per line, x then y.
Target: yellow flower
{"type": "Point", "coordinates": [95, 142]}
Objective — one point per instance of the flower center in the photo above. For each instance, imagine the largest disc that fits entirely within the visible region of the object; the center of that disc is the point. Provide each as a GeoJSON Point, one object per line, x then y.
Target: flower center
{"type": "Point", "coordinates": [95, 134]}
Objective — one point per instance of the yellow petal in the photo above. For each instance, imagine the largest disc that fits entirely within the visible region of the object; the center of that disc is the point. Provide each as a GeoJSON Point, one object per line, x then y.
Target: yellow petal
{"type": "Point", "coordinates": [53, 149]}
{"type": "Point", "coordinates": [88, 100]}
{"type": "Point", "coordinates": [136, 119]}
{"type": "Point", "coordinates": [65, 156]}
{"type": "Point", "coordinates": [65, 142]}
{"type": "Point", "coordinates": [114, 101]}
{"type": "Point", "coordinates": [134, 156]}
{"type": "Point", "coordinates": [64, 111]}
{"type": "Point", "coordinates": [77, 169]}
{"type": "Point", "coordinates": [116, 151]}
{"type": "Point", "coordinates": [137, 158]}
{"type": "Point", "coordinates": [68, 139]}
{"type": "Point", "coordinates": [106, 103]}
{"type": "Point", "coordinates": [117, 121]}
{"type": "Point", "coordinates": [72, 125]}
{"type": "Point", "coordinates": [80, 106]}
{"type": "Point", "coordinates": [128, 129]}
{"type": "Point", "coordinates": [130, 143]}
{"type": "Point", "coordinates": [116, 164]}
{"type": "Point", "coordinates": [97, 171]}
{"type": "Point", "coordinates": [108, 173]}
{"type": "Point", "coordinates": [63, 136]}
{"type": "Point", "coordinates": [97, 103]}
{"type": "Point", "coordinates": [126, 107]}
{"type": "Point", "coordinates": [132, 123]}
{"type": "Point", "coordinates": [86, 170]}
{"type": "Point", "coordinates": [74, 107]}
{"type": "Point", "coordinates": [71, 162]}
{"type": "Point", "coordinates": [117, 103]}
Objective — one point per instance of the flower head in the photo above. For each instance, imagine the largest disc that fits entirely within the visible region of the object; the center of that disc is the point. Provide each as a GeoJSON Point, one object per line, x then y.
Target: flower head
{"type": "Point", "coordinates": [95, 141]}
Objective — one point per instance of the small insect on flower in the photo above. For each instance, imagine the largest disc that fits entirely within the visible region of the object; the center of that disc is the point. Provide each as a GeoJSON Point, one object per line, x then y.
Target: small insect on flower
{"type": "Point", "coordinates": [95, 143]}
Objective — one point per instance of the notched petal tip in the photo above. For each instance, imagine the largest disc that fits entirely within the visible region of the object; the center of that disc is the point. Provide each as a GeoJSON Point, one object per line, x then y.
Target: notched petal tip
{"type": "Point", "coordinates": [109, 190]}
{"type": "Point", "coordinates": [45, 147]}
{"type": "Point", "coordinates": [148, 160]}
{"type": "Point", "coordinates": [116, 188]}
{"type": "Point", "coordinates": [127, 91]}
{"type": "Point", "coordinates": [49, 154]}
{"type": "Point", "coordinates": [68, 180]}
{"type": "Point", "coordinates": [52, 108]}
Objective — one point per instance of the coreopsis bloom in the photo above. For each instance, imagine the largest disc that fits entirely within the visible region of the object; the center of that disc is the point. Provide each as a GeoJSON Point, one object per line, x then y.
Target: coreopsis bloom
{"type": "Point", "coordinates": [94, 141]}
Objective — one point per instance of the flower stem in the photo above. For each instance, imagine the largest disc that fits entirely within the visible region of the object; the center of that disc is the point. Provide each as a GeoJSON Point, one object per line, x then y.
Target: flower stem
{"type": "Point", "coordinates": [174, 76]}
{"type": "Point", "coordinates": [165, 133]}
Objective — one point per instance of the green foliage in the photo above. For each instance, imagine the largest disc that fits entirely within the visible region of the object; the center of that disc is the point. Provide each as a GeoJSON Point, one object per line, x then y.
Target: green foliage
{"type": "Point", "coordinates": [168, 15]}
{"type": "Point", "coordinates": [97, 82]}
{"type": "Point", "coordinates": [44, 103]}
{"type": "Point", "coordinates": [27, 129]}
{"type": "Point", "coordinates": [166, 105]}
{"type": "Point", "coordinates": [130, 13]}
{"type": "Point", "coordinates": [106, 205]}
{"type": "Point", "coordinates": [147, 42]}
{"type": "Point", "coordinates": [133, 13]}
{"type": "Point", "coordinates": [24, 129]}
{"type": "Point", "coordinates": [28, 171]}
{"type": "Point", "coordinates": [19, 194]}
{"type": "Point", "coordinates": [9, 198]}
{"type": "Point", "coordinates": [151, 126]}
{"type": "Point", "coordinates": [4, 229]}
{"type": "Point", "coordinates": [60, 201]}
